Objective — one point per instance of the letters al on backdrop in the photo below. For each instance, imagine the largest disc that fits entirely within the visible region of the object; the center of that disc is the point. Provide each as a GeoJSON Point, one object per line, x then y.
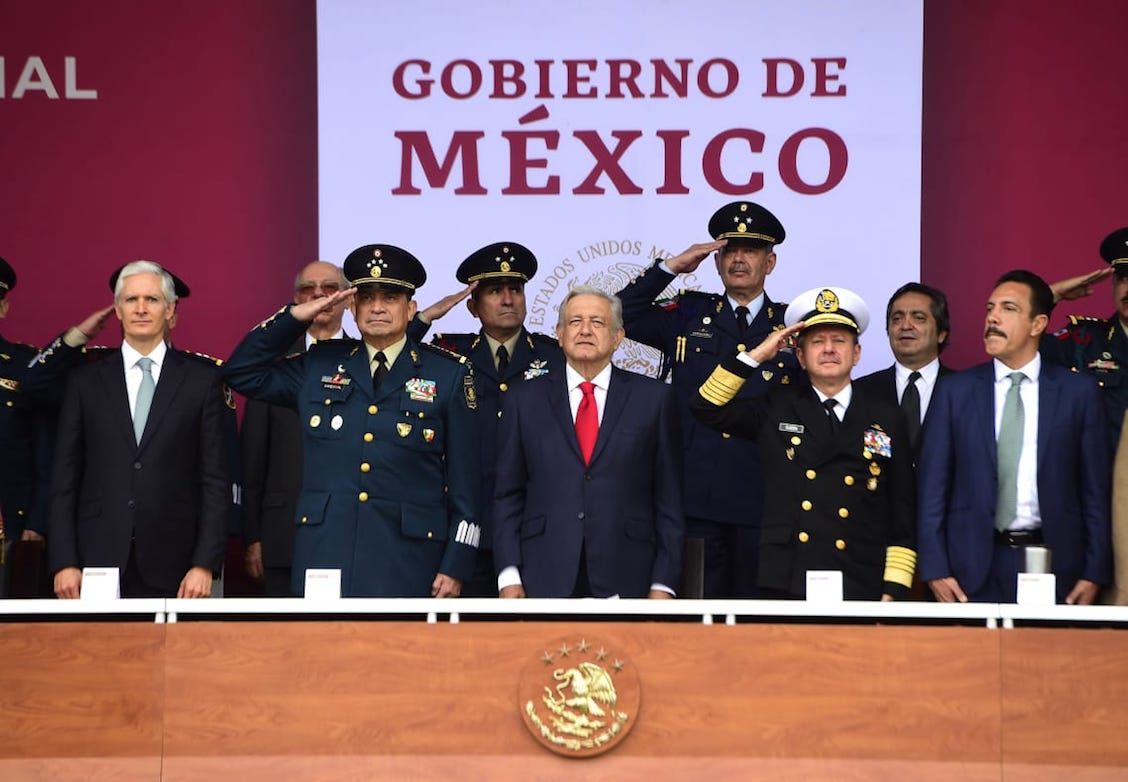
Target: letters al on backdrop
{"type": "Point", "coordinates": [602, 135]}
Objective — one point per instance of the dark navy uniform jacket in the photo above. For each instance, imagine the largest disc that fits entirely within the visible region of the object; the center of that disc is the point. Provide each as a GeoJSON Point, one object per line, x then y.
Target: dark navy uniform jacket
{"type": "Point", "coordinates": [535, 355]}
{"type": "Point", "coordinates": [391, 479]}
{"type": "Point", "coordinates": [695, 332]}
{"type": "Point", "coordinates": [1098, 348]}
{"type": "Point", "coordinates": [844, 502]}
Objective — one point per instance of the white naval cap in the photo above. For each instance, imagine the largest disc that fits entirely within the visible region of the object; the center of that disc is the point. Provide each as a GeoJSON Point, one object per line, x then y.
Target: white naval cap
{"type": "Point", "coordinates": [828, 306]}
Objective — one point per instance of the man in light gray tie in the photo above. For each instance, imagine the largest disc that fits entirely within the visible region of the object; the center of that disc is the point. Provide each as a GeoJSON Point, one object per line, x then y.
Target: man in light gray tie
{"type": "Point", "coordinates": [140, 476]}
{"type": "Point", "coordinates": [1014, 454]}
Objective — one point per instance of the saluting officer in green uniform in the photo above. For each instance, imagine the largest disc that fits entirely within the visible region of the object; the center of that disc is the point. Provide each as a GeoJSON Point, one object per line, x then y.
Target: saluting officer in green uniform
{"type": "Point", "coordinates": [391, 476]}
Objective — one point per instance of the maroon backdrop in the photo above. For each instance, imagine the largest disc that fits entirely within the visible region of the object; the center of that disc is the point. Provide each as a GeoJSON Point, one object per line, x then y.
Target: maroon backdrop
{"type": "Point", "coordinates": [200, 153]}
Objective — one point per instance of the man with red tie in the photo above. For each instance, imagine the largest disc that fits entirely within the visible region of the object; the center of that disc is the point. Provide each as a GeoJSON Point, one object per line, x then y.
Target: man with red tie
{"type": "Point", "coordinates": [588, 498]}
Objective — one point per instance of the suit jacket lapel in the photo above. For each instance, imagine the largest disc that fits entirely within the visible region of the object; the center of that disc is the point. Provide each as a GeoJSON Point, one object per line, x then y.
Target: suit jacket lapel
{"type": "Point", "coordinates": [113, 381]}
{"type": "Point", "coordinates": [618, 391]}
{"type": "Point", "coordinates": [561, 411]}
{"type": "Point", "coordinates": [1048, 391]}
{"type": "Point", "coordinates": [983, 414]}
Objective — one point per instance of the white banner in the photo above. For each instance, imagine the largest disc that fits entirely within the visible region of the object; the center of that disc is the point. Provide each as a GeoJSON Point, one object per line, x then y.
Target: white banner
{"type": "Point", "coordinates": [603, 134]}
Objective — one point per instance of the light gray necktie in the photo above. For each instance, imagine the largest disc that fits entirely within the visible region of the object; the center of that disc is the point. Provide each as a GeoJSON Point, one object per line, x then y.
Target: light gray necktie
{"type": "Point", "coordinates": [144, 396]}
{"type": "Point", "coordinates": [1009, 451]}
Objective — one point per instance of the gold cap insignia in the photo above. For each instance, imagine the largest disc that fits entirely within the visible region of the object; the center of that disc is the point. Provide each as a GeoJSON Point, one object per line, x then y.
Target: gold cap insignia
{"type": "Point", "coordinates": [826, 301]}
{"type": "Point", "coordinates": [578, 698]}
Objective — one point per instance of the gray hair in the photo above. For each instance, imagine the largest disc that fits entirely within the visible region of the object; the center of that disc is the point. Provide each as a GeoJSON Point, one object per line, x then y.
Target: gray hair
{"type": "Point", "coordinates": [168, 288]}
{"type": "Point", "coordinates": [591, 290]}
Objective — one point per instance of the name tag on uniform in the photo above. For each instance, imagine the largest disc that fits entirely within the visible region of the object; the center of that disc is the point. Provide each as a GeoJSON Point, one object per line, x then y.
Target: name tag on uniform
{"type": "Point", "coordinates": [791, 428]}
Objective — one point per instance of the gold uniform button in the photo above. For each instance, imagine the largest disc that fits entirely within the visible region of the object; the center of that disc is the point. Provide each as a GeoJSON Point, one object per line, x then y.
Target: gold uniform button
{"type": "Point", "coordinates": [741, 347]}
{"type": "Point", "coordinates": [305, 519]}
{"type": "Point", "coordinates": [430, 535]}
{"type": "Point", "coordinates": [365, 466]}
{"type": "Point", "coordinates": [843, 513]}
{"type": "Point", "coordinates": [328, 401]}
{"type": "Point", "coordinates": [499, 414]}
{"type": "Point", "coordinates": [875, 469]}
{"type": "Point", "coordinates": [503, 387]}
{"type": "Point", "coordinates": [805, 505]}
{"type": "Point", "coordinates": [372, 409]}
{"type": "Point", "coordinates": [804, 537]}
{"type": "Point", "coordinates": [848, 480]}
{"type": "Point", "coordinates": [363, 496]}
{"type": "Point", "coordinates": [810, 475]}
{"type": "Point", "coordinates": [796, 440]}
{"type": "Point", "coordinates": [420, 413]}
{"type": "Point", "coordinates": [725, 435]}
{"type": "Point", "coordinates": [368, 437]}
{"type": "Point", "coordinates": [10, 403]}
{"type": "Point", "coordinates": [840, 544]}
{"type": "Point", "coordinates": [867, 454]}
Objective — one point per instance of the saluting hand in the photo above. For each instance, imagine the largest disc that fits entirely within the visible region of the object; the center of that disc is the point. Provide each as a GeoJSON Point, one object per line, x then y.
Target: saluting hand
{"type": "Point", "coordinates": [689, 259]}
{"type": "Point", "coordinates": [94, 322]}
{"type": "Point", "coordinates": [1079, 286]}
{"type": "Point", "coordinates": [773, 343]}
{"type": "Point", "coordinates": [446, 304]}
{"type": "Point", "coordinates": [308, 310]}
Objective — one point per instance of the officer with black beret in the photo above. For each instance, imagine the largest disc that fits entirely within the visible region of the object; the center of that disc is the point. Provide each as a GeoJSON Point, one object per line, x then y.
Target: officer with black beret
{"type": "Point", "coordinates": [503, 353]}
{"type": "Point", "coordinates": [836, 457]}
{"type": "Point", "coordinates": [694, 331]}
{"type": "Point", "coordinates": [391, 470]}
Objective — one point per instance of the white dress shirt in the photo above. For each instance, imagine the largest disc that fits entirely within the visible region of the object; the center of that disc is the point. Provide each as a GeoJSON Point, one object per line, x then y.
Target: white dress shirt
{"type": "Point", "coordinates": [129, 357]}
{"type": "Point", "coordinates": [925, 386]}
{"type": "Point", "coordinates": [843, 398]}
{"type": "Point", "coordinates": [1029, 516]}
{"type": "Point", "coordinates": [309, 339]}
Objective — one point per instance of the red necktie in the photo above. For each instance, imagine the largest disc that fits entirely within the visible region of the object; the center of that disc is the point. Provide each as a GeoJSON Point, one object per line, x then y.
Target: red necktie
{"type": "Point", "coordinates": [587, 421]}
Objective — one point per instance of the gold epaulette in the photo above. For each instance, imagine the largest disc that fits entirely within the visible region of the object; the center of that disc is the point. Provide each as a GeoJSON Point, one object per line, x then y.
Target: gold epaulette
{"type": "Point", "coordinates": [443, 352]}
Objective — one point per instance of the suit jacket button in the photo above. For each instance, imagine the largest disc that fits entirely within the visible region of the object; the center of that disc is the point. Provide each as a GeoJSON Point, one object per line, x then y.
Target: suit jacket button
{"type": "Point", "coordinates": [840, 544]}
{"type": "Point", "coordinates": [804, 537]}
{"type": "Point", "coordinates": [580, 516]}
{"type": "Point", "coordinates": [368, 437]}
{"type": "Point", "coordinates": [131, 504]}
{"type": "Point", "coordinates": [137, 465]}
{"type": "Point", "coordinates": [365, 466]}
{"type": "Point", "coordinates": [372, 409]}
{"type": "Point", "coordinates": [805, 505]}
{"type": "Point", "coordinates": [843, 513]}
{"type": "Point", "coordinates": [810, 475]}
{"type": "Point", "coordinates": [503, 387]}
{"type": "Point", "coordinates": [363, 496]}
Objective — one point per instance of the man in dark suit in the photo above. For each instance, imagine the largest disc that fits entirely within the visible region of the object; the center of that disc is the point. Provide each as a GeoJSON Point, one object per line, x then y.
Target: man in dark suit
{"type": "Point", "coordinates": [504, 355]}
{"type": "Point", "coordinates": [918, 325]}
{"type": "Point", "coordinates": [694, 331]}
{"type": "Point", "coordinates": [588, 497]}
{"type": "Point", "coordinates": [836, 461]}
{"type": "Point", "coordinates": [1014, 454]}
{"type": "Point", "coordinates": [271, 439]}
{"type": "Point", "coordinates": [391, 474]}
{"type": "Point", "coordinates": [140, 476]}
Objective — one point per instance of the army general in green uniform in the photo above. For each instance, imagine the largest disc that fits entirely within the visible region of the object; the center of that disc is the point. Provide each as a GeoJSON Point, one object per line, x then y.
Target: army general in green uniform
{"type": "Point", "coordinates": [390, 489]}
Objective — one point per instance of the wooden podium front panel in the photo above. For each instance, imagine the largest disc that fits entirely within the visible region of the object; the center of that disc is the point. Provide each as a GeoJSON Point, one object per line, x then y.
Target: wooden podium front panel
{"type": "Point", "coordinates": [262, 700]}
{"type": "Point", "coordinates": [1065, 703]}
{"type": "Point", "coordinates": [81, 701]}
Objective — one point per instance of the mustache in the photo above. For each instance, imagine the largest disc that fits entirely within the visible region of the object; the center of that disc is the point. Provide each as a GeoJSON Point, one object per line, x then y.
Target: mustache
{"type": "Point", "coordinates": [994, 330]}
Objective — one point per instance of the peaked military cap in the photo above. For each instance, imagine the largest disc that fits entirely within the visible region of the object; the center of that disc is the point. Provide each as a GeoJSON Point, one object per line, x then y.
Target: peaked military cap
{"type": "Point", "coordinates": [828, 307]}
{"type": "Point", "coordinates": [501, 260]}
{"type": "Point", "coordinates": [747, 222]}
{"type": "Point", "coordinates": [178, 285]}
{"type": "Point", "coordinates": [1114, 249]}
{"type": "Point", "coordinates": [7, 277]}
{"type": "Point", "coordinates": [384, 264]}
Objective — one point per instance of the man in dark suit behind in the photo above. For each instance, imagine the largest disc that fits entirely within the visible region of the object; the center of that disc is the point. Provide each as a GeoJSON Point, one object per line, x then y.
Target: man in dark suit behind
{"type": "Point", "coordinates": [918, 325]}
{"type": "Point", "coordinates": [271, 439]}
{"type": "Point", "coordinates": [140, 477]}
{"type": "Point", "coordinates": [588, 496]}
{"type": "Point", "coordinates": [1014, 454]}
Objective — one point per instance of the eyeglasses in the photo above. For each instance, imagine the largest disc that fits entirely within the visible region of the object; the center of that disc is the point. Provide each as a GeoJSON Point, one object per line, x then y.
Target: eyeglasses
{"type": "Point", "coordinates": [328, 287]}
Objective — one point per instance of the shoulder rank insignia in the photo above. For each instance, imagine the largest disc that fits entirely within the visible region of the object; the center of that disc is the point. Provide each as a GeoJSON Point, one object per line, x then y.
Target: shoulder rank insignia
{"type": "Point", "coordinates": [441, 351]}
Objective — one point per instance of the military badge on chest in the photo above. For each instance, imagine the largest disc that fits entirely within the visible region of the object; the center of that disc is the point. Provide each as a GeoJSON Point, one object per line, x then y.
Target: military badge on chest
{"type": "Point", "coordinates": [537, 367]}
{"type": "Point", "coordinates": [421, 390]}
{"type": "Point", "coordinates": [876, 442]}
{"type": "Point", "coordinates": [337, 381]}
